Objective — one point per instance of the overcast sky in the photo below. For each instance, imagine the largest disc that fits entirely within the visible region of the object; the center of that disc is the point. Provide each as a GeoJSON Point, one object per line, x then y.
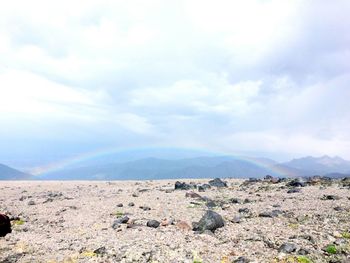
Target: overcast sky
{"type": "Point", "coordinates": [267, 76]}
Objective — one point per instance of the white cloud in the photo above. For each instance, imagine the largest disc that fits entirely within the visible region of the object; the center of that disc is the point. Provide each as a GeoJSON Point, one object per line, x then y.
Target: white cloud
{"type": "Point", "coordinates": [267, 74]}
{"type": "Point", "coordinates": [216, 95]}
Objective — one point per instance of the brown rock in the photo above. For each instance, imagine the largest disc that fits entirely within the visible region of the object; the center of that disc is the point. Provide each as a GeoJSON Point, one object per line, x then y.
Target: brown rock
{"type": "Point", "coordinates": [182, 225]}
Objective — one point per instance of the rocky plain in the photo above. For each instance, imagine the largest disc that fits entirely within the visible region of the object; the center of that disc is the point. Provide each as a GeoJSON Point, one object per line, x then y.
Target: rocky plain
{"type": "Point", "coordinates": [228, 220]}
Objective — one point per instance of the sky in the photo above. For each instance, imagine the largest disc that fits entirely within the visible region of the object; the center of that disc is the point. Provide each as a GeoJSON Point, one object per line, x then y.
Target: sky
{"type": "Point", "coordinates": [264, 77]}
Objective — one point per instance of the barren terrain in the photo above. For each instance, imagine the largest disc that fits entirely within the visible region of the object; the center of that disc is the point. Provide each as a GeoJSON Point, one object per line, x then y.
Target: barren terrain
{"type": "Point", "coordinates": [93, 221]}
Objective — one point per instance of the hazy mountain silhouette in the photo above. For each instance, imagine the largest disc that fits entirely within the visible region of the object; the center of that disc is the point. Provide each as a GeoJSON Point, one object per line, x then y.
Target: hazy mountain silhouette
{"type": "Point", "coordinates": [128, 167]}
{"type": "Point", "coordinates": [320, 165]}
{"type": "Point", "coordinates": [8, 173]}
{"type": "Point", "coordinates": [155, 168]}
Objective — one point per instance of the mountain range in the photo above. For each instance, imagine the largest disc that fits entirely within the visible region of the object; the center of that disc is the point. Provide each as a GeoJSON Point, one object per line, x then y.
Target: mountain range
{"type": "Point", "coordinates": [8, 173]}
{"type": "Point", "coordinates": [132, 168]}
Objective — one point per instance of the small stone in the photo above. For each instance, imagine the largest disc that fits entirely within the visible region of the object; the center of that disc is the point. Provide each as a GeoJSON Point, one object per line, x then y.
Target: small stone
{"type": "Point", "coordinates": [241, 260]}
{"type": "Point", "coordinates": [100, 251]}
{"type": "Point", "coordinates": [182, 225]}
{"type": "Point", "coordinates": [131, 204]}
{"type": "Point", "coordinates": [167, 222]}
{"type": "Point", "coordinates": [244, 210]}
{"type": "Point", "coordinates": [236, 219]}
{"type": "Point", "coordinates": [31, 202]}
{"type": "Point", "coordinates": [120, 205]}
{"type": "Point", "coordinates": [287, 248]}
{"type": "Point", "coordinates": [235, 201]}
{"type": "Point", "coordinates": [153, 223]}
{"type": "Point", "coordinates": [303, 252]}
{"type": "Point", "coordinates": [330, 197]}
{"type": "Point", "coordinates": [338, 208]}
{"type": "Point", "coordinates": [274, 213]}
{"type": "Point", "coordinates": [247, 201]}
{"type": "Point", "coordinates": [122, 220]}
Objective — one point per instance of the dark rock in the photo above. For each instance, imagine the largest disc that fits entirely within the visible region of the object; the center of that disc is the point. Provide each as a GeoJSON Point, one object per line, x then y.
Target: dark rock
{"type": "Point", "coordinates": [241, 260]}
{"type": "Point", "coordinates": [195, 226]}
{"type": "Point", "coordinates": [100, 251]}
{"type": "Point", "coordinates": [268, 177]}
{"type": "Point", "coordinates": [338, 208]}
{"type": "Point", "coordinates": [247, 201]}
{"type": "Point", "coordinates": [330, 197]}
{"type": "Point", "coordinates": [182, 186]}
{"type": "Point", "coordinates": [244, 210]}
{"type": "Point", "coordinates": [298, 182]}
{"type": "Point", "coordinates": [55, 194]}
{"type": "Point", "coordinates": [122, 220]}
{"type": "Point", "coordinates": [274, 213]}
{"type": "Point", "coordinates": [287, 248]}
{"type": "Point", "coordinates": [235, 201]}
{"type": "Point", "coordinates": [210, 221]}
{"type": "Point", "coordinates": [120, 205]}
{"type": "Point", "coordinates": [48, 200]}
{"type": "Point", "coordinates": [143, 190]}
{"type": "Point", "coordinates": [31, 202]}
{"type": "Point", "coordinates": [345, 182]}
{"type": "Point", "coordinates": [217, 182]}
{"type": "Point", "coordinates": [201, 189]}
{"type": "Point", "coordinates": [145, 208]}
{"type": "Point", "coordinates": [131, 204]}
{"type": "Point", "coordinates": [293, 190]}
{"type": "Point", "coordinates": [153, 223]}
{"type": "Point", "coordinates": [5, 225]}
{"type": "Point", "coordinates": [206, 186]}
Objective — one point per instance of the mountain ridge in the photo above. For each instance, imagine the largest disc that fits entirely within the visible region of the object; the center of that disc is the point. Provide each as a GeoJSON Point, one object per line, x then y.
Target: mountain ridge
{"type": "Point", "coordinates": [9, 173]}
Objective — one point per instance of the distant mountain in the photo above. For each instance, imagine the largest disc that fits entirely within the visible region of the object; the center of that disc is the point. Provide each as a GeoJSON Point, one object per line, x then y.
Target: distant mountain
{"type": "Point", "coordinates": [320, 165]}
{"type": "Point", "coordinates": [155, 168]}
{"type": "Point", "coordinates": [116, 168]}
{"type": "Point", "coordinates": [8, 173]}
{"type": "Point", "coordinates": [124, 156]}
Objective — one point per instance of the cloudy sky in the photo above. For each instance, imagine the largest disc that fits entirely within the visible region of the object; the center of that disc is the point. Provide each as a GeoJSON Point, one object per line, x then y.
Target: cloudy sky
{"type": "Point", "coordinates": [269, 77]}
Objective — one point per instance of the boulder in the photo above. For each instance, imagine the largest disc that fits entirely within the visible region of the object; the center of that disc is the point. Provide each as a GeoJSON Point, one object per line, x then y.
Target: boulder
{"type": "Point", "coordinates": [210, 221]}
{"type": "Point", "coordinates": [287, 248]}
{"type": "Point", "coordinates": [182, 186]}
{"type": "Point", "coordinates": [217, 182]}
{"type": "Point", "coordinates": [5, 225]}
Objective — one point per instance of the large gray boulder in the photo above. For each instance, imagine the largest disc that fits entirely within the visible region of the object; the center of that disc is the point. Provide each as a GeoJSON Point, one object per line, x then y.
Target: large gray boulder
{"type": "Point", "coordinates": [210, 221]}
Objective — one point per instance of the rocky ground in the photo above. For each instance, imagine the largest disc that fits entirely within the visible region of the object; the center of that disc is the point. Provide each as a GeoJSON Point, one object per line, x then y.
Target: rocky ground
{"type": "Point", "coordinates": [270, 220]}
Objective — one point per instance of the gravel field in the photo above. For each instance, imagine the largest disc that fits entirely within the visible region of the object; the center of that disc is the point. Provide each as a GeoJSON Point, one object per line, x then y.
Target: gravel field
{"type": "Point", "coordinates": [93, 221]}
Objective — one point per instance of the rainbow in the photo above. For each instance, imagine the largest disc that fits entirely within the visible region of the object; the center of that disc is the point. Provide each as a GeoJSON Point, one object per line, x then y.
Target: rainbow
{"type": "Point", "coordinates": [79, 158]}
